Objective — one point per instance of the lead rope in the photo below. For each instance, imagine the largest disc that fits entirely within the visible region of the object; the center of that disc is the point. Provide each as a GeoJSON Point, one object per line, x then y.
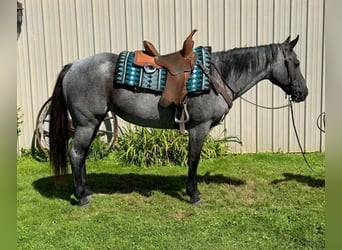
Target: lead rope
{"type": "Point", "coordinates": [294, 127]}
{"type": "Point", "coordinates": [265, 107]}
{"type": "Point", "coordinates": [297, 137]}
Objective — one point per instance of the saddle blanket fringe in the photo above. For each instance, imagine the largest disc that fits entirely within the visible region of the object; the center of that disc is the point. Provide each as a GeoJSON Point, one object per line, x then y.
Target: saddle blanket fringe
{"type": "Point", "coordinates": [127, 73]}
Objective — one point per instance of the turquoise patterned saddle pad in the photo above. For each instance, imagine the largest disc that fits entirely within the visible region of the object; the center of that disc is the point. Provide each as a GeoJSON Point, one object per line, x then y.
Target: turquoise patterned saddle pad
{"type": "Point", "coordinates": [129, 74]}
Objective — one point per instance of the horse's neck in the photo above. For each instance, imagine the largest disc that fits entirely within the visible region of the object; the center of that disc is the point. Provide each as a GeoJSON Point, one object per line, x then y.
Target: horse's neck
{"type": "Point", "coordinates": [243, 81]}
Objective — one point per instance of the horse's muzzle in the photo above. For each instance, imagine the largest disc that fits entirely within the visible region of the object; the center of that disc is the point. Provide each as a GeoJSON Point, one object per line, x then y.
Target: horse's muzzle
{"type": "Point", "coordinates": [299, 94]}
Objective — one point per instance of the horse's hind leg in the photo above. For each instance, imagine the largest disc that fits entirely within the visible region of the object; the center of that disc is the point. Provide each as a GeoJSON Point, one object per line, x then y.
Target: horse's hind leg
{"type": "Point", "coordinates": [83, 137]}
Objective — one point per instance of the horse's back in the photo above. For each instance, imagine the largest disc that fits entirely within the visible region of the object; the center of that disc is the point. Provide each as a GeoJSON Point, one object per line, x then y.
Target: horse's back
{"type": "Point", "coordinates": [90, 72]}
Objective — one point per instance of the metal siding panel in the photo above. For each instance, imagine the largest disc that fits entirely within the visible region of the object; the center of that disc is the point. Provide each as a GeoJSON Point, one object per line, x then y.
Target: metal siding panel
{"type": "Point", "coordinates": [314, 73]}
{"type": "Point", "coordinates": [69, 32]}
{"type": "Point", "coordinates": [281, 117]}
{"type": "Point", "coordinates": [24, 101]}
{"type": "Point", "coordinates": [134, 24]}
{"type": "Point", "coordinates": [183, 22]}
{"type": "Point", "coordinates": [58, 32]}
{"type": "Point", "coordinates": [264, 117]}
{"type": "Point", "coordinates": [265, 88]}
{"type": "Point", "coordinates": [118, 34]}
{"type": "Point", "coordinates": [37, 55]}
{"type": "Point", "coordinates": [101, 26]}
{"type": "Point", "coordinates": [167, 27]}
{"type": "Point", "coordinates": [232, 122]}
{"type": "Point", "coordinates": [248, 113]}
{"type": "Point", "coordinates": [200, 20]}
{"type": "Point", "coordinates": [216, 22]}
{"type": "Point", "coordinates": [150, 14]}
{"type": "Point", "coordinates": [85, 28]}
{"type": "Point", "coordinates": [33, 62]}
{"type": "Point", "coordinates": [52, 36]}
{"type": "Point", "coordinates": [232, 24]}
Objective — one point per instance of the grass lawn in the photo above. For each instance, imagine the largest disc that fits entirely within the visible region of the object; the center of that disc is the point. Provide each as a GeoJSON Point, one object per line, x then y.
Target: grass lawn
{"type": "Point", "coordinates": [249, 201]}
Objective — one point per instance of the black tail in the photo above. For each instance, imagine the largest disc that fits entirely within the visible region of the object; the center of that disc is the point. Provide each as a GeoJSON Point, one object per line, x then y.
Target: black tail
{"type": "Point", "coordinates": [58, 129]}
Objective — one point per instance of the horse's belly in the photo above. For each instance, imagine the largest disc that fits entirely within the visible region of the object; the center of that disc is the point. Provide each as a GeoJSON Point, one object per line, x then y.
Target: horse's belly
{"type": "Point", "coordinates": [142, 109]}
{"type": "Point", "coordinates": [144, 121]}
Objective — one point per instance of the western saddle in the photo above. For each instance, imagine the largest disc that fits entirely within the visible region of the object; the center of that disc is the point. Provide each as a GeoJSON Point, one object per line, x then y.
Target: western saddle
{"type": "Point", "coordinates": [178, 64]}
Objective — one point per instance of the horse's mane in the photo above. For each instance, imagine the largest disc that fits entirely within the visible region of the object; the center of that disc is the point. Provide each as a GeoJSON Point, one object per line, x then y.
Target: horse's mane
{"type": "Point", "coordinates": [235, 62]}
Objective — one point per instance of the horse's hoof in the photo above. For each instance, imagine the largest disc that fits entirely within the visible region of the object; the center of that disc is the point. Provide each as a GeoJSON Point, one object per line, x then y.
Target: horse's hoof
{"type": "Point", "coordinates": [90, 196]}
{"type": "Point", "coordinates": [83, 202]}
{"type": "Point", "coordinates": [88, 193]}
{"type": "Point", "coordinates": [195, 201]}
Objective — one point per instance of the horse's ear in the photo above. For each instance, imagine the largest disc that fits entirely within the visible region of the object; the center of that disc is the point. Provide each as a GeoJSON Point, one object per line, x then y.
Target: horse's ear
{"type": "Point", "coordinates": [294, 42]}
{"type": "Point", "coordinates": [287, 40]}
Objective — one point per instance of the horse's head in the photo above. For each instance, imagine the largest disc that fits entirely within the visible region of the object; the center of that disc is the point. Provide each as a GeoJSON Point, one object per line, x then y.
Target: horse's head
{"type": "Point", "coordinates": [286, 72]}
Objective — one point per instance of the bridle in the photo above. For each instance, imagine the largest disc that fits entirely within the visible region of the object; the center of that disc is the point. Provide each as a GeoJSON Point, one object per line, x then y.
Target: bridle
{"type": "Point", "coordinates": [294, 85]}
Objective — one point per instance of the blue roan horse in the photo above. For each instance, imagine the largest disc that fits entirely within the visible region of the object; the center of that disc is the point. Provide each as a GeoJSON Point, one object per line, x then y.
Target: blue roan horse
{"type": "Point", "coordinates": [86, 88]}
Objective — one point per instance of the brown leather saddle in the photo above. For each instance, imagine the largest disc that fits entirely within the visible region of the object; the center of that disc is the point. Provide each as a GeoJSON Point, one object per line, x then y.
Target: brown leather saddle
{"type": "Point", "coordinates": [178, 64]}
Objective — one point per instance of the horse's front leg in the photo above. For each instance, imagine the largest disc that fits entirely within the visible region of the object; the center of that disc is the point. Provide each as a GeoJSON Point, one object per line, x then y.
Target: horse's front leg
{"type": "Point", "coordinates": [197, 136]}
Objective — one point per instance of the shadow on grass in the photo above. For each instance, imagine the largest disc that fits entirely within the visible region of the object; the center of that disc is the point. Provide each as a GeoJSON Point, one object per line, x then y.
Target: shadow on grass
{"type": "Point", "coordinates": [128, 183]}
{"type": "Point", "coordinates": [308, 180]}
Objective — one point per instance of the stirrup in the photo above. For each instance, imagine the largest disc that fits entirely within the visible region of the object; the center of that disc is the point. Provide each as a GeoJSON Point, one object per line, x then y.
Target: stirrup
{"type": "Point", "coordinates": [187, 117]}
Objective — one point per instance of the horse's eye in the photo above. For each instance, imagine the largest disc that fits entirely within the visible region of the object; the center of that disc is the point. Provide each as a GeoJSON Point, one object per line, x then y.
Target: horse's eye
{"type": "Point", "coordinates": [296, 62]}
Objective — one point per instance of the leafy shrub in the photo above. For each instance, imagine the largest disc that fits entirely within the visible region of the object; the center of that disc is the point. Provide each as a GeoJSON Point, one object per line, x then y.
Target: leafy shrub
{"type": "Point", "coordinates": [36, 153]}
{"type": "Point", "coordinates": [145, 147]}
{"type": "Point", "coordinates": [98, 149]}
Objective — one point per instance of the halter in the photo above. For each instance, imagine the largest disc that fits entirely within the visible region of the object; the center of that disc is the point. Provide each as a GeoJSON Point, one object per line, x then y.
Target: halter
{"type": "Point", "coordinates": [294, 85]}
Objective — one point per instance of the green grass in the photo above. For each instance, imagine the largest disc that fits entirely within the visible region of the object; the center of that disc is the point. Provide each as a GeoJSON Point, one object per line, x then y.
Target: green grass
{"type": "Point", "coordinates": [249, 201]}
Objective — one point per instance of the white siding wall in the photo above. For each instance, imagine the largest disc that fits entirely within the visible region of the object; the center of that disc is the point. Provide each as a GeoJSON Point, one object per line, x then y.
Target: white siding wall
{"type": "Point", "coordinates": [56, 32]}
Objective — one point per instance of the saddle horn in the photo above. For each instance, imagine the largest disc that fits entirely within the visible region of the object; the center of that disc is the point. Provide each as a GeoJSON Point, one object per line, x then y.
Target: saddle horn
{"type": "Point", "coordinates": [188, 44]}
